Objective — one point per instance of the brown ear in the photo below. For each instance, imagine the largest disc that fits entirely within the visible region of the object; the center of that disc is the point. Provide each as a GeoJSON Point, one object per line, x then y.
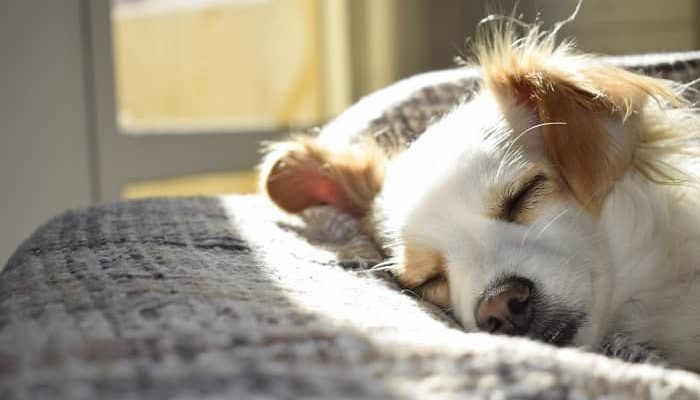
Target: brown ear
{"type": "Point", "coordinates": [576, 138]}
{"type": "Point", "coordinates": [577, 101]}
{"type": "Point", "coordinates": [303, 172]}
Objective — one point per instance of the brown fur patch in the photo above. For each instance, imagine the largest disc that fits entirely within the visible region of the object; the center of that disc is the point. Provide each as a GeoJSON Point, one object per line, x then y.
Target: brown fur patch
{"type": "Point", "coordinates": [578, 91]}
{"type": "Point", "coordinates": [589, 159]}
{"type": "Point", "coordinates": [302, 172]}
{"type": "Point", "coordinates": [422, 270]}
{"type": "Point", "coordinates": [436, 291]}
{"type": "Point", "coordinates": [511, 204]}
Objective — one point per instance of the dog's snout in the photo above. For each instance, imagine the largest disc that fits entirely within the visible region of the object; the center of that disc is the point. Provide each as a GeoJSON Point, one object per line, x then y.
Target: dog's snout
{"type": "Point", "coordinates": [506, 308]}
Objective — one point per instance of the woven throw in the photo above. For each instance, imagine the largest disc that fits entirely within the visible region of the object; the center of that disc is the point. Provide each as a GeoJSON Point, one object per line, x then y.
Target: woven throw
{"type": "Point", "coordinates": [226, 298]}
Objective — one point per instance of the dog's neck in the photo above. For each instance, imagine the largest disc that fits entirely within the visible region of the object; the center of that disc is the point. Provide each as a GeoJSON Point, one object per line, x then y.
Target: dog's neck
{"type": "Point", "coordinates": [654, 236]}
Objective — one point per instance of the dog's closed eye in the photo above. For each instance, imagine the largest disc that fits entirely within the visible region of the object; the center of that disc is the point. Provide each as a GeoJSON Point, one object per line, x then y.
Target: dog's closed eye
{"type": "Point", "coordinates": [435, 290]}
{"type": "Point", "coordinates": [519, 202]}
{"type": "Point", "coordinates": [422, 270]}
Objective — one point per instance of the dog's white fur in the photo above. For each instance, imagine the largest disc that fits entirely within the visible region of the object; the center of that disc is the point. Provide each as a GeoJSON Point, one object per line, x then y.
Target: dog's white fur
{"type": "Point", "coordinates": [633, 269]}
{"type": "Point", "coordinates": [618, 235]}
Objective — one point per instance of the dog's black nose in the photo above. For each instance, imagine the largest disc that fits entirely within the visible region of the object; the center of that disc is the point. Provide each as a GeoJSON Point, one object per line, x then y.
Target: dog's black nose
{"type": "Point", "coordinates": [506, 308]}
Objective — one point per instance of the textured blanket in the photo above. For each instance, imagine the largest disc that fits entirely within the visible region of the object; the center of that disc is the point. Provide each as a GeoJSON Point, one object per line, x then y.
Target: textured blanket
{"type": "Point", "coordinates": [207, 298]}
{"type": "Point", "coordinates": [227, 298]}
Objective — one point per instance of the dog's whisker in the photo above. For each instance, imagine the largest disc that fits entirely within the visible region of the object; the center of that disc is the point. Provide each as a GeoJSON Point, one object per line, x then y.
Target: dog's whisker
{"type": "Point", "coordinates": [588, 245]}
{"type": "Point", "coordinates": [689, 86]}
{"type": "Point", "coordinates": [412, 293]}
{"type": "Point", "coordinates": [508, 156]}
{"type": "Point", "coordinates": [525, 236]}
{"type": "Point", "coordinates": [531, 227]}
{"type": "Point", "coordinates": [383, 266]}
{"type": "Point", "coordinates": [571, 258]}
{"type": "Point", "coordinates": [553, 220]}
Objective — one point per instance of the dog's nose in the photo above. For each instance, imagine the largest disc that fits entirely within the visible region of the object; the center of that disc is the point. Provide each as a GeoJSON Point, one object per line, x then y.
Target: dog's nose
{"type": "Point", "coordinates": [506, 308]}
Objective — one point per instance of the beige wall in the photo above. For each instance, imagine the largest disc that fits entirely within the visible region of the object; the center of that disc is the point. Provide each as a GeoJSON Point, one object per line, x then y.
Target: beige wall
{"type": "Point", "coordinates": [43, 124]}
{"type": "Point", "coordinates": [427, 34]}
{"type": "Point", "coordinates": [628, 26]}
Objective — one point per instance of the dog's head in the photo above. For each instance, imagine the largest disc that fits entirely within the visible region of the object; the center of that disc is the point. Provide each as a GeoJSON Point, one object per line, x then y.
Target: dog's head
{"type": "Point", "coordinates": [495, 211]}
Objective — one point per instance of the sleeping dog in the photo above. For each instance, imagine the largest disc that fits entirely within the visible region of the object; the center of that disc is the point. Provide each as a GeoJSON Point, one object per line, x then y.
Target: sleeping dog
{"type": "Point", "coordinates": [560, 203]}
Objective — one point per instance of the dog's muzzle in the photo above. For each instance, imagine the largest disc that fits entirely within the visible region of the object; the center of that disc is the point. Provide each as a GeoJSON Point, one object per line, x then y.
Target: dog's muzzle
{"type": "Point", "coordinates": [513, 306]}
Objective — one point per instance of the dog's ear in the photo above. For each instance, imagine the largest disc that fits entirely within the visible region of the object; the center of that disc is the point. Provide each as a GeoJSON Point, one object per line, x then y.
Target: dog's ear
{"type": "Point", "coordinates": [304, 172]}
{"type": "Point", "coordinates": [587, 112]}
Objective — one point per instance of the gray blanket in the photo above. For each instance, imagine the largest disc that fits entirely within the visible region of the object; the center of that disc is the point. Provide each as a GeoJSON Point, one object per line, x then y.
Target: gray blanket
{"type": "Point", "coordinates": [227, 298]}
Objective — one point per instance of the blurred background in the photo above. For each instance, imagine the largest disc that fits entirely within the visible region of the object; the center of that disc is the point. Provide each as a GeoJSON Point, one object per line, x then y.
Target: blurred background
{"type": "Point", "coordinates": [107, 100]}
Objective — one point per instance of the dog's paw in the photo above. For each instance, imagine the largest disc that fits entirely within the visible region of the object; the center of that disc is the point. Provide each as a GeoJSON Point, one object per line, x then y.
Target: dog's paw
{"type": "Point", "coordinates": [620, 346]}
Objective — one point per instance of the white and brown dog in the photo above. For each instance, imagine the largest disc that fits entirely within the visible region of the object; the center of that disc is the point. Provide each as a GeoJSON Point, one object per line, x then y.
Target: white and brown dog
{"type": "Point", "coordinates": [559, 204]}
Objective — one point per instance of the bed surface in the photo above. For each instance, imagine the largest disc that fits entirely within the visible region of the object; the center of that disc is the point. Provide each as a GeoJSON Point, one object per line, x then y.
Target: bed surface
{"type": "Point", "coordinates": [227, 298]}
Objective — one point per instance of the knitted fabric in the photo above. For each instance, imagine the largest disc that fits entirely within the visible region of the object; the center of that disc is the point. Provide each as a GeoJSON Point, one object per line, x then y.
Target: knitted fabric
{"type": "Point", "coordinates": [206, 298]}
